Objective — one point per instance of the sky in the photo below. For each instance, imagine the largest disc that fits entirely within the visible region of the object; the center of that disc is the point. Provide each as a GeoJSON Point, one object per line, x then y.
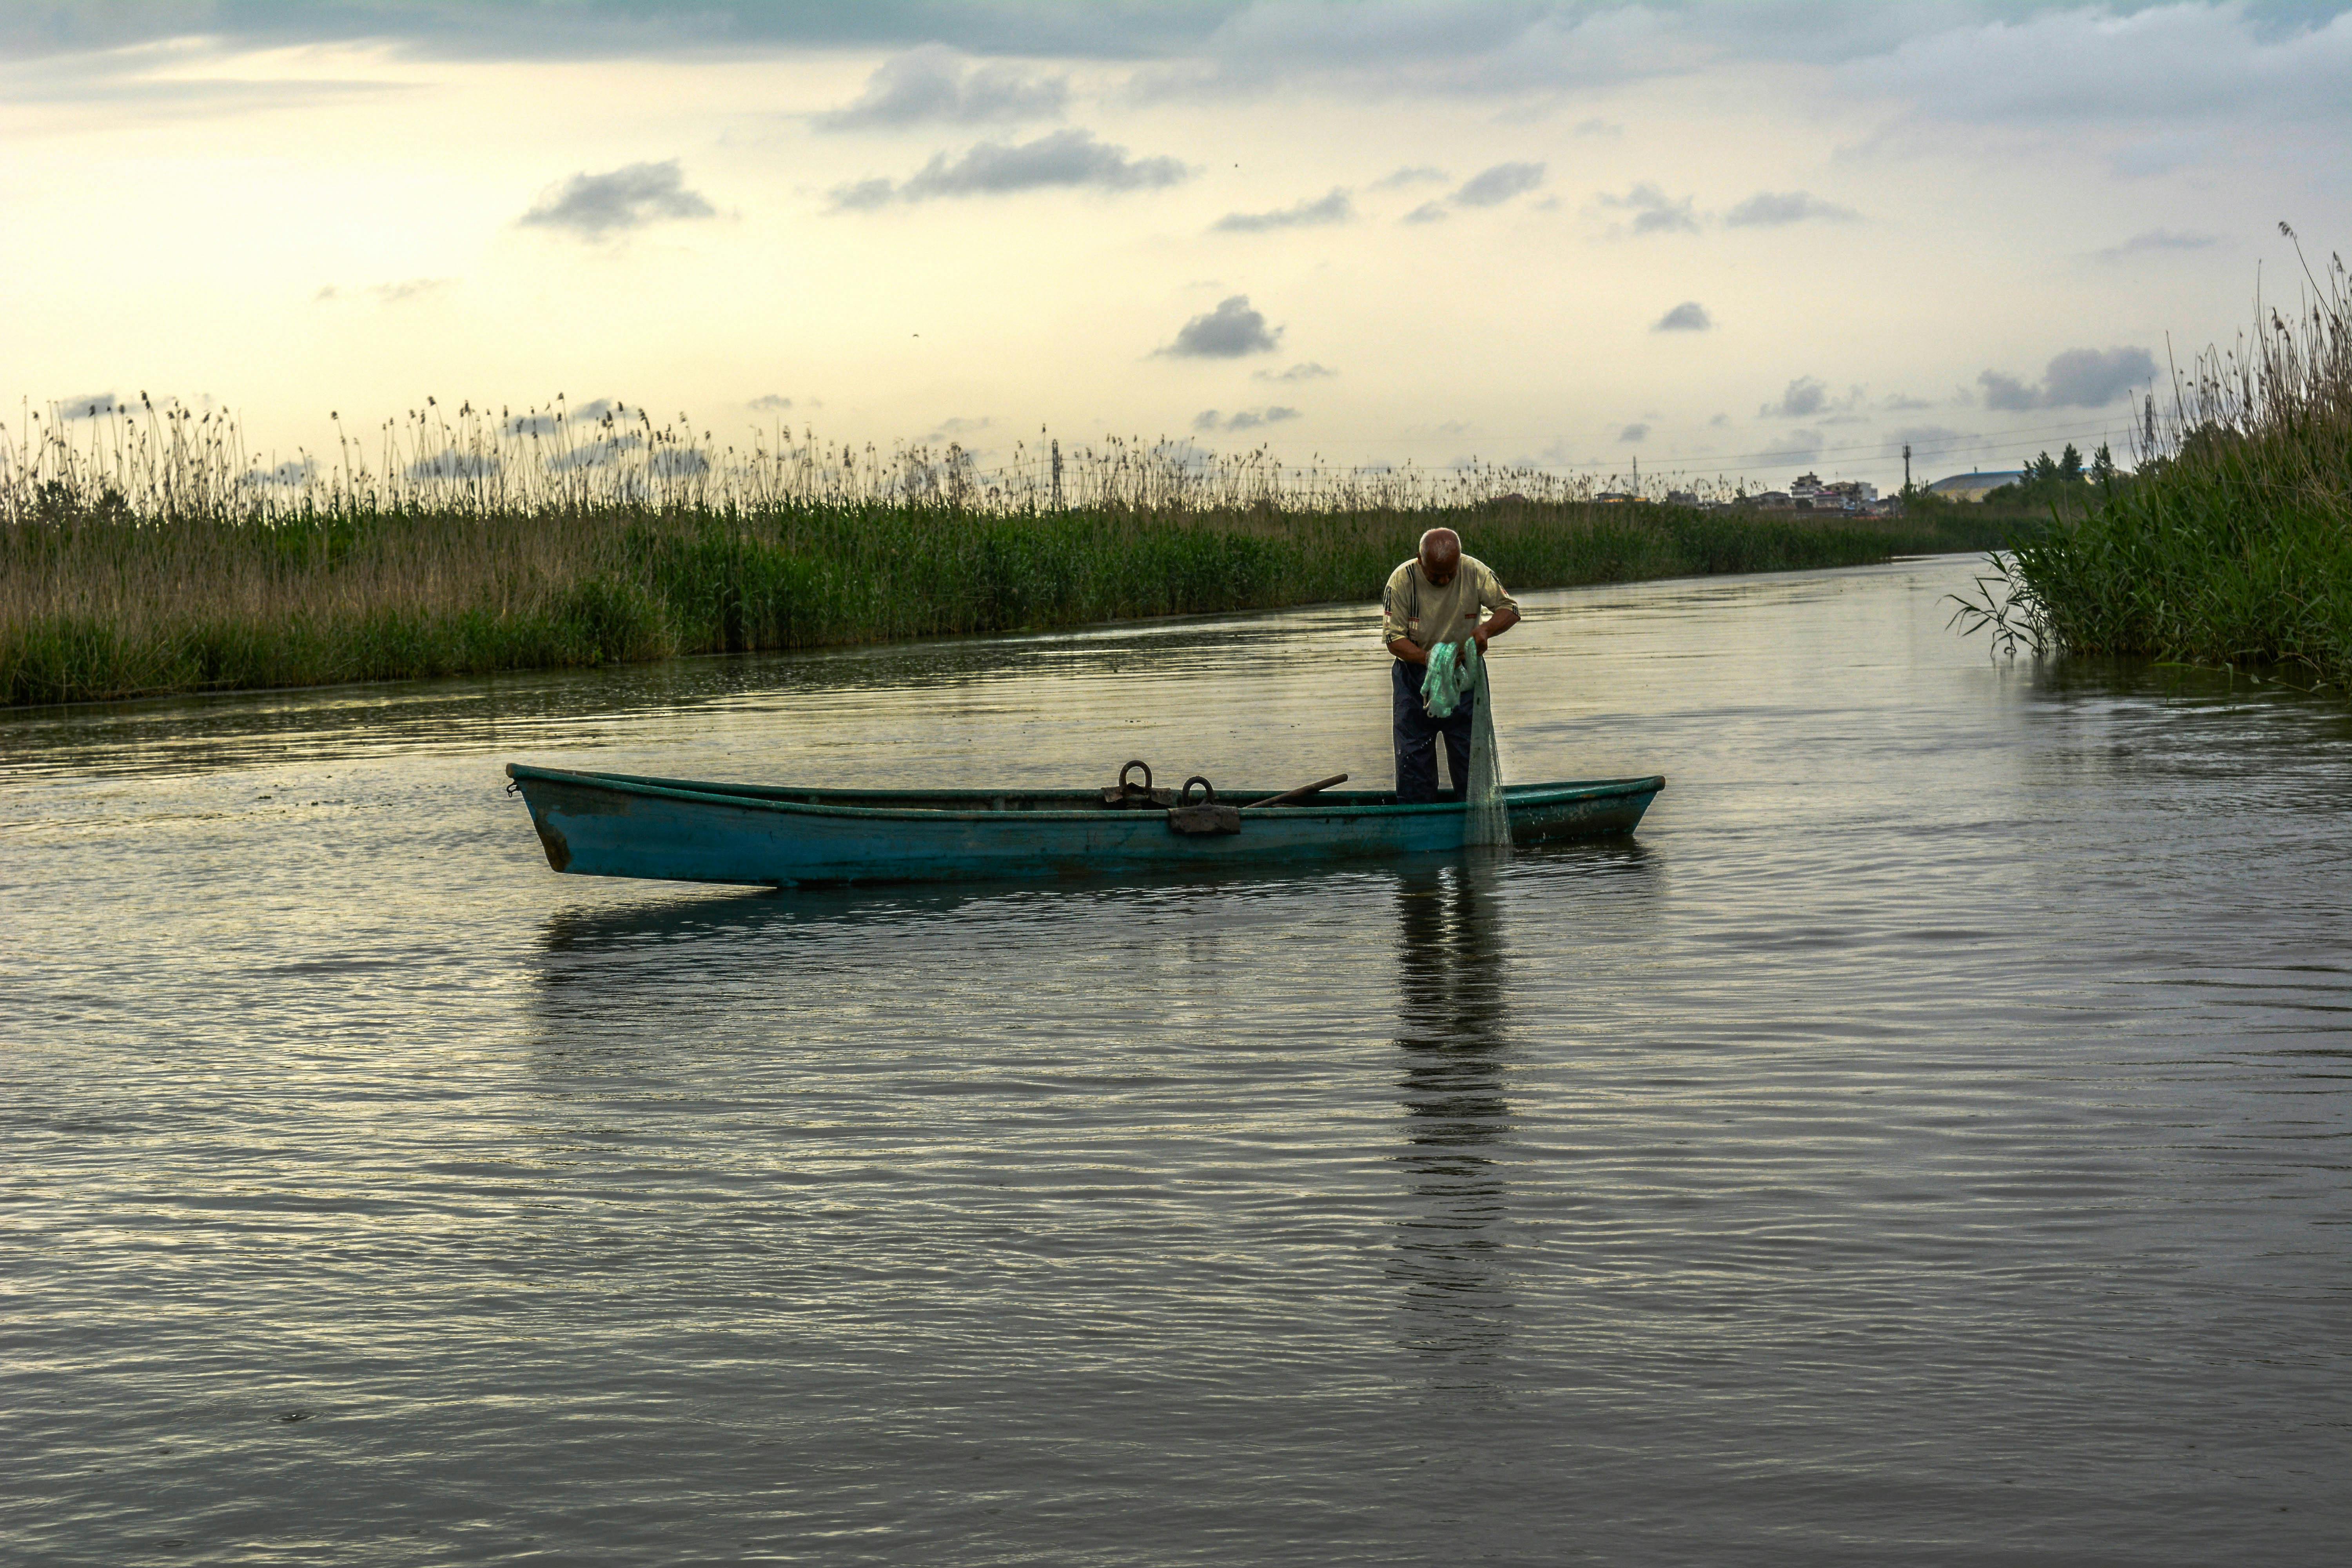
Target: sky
{"type": "Point", "coordinates": [1738, 240]}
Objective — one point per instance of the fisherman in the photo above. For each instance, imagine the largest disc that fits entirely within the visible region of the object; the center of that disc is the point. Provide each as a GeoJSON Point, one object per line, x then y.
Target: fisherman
{"type": "Point", "coordinates": [1435, 598]}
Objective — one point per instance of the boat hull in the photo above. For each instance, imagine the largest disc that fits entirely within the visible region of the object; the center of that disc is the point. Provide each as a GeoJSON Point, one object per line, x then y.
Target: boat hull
{"type": "Point", "coordinates": [682, 830]}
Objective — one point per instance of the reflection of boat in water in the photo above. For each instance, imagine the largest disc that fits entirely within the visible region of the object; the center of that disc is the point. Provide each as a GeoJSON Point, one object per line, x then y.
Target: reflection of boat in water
{"type": "Point", "coordinates": [620, 824]}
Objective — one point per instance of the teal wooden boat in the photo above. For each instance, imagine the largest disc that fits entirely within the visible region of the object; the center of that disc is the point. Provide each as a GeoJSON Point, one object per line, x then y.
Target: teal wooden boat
{"type": "Point", "coordinates": [683, 830]}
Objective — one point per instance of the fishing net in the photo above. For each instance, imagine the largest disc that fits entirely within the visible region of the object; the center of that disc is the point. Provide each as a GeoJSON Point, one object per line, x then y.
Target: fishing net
{"type": "Point", "coordinates": [1454, 670]}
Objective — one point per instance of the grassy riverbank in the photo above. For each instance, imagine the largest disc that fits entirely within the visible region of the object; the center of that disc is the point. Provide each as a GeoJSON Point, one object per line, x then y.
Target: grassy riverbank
{"type": "Point", "coordinates": [97, 602]}
{"type": "Point", "coordinates": [2235, 546]}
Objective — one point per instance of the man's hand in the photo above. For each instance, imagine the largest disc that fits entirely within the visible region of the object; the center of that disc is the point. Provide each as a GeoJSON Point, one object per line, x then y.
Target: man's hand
{"type": "Point", "coordinates": [1409, 651]}
{"type": "Point", "coordinates": [1501, 621]}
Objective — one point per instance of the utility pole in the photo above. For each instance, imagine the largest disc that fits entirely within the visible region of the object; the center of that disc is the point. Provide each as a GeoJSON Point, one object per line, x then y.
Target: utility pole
{"type": "Point", "coordinates": [1057, 474]}
{"type": "Point", "coordinates": [1637, 476]}
{"type": "Point", "coordinates": [1906, 467]}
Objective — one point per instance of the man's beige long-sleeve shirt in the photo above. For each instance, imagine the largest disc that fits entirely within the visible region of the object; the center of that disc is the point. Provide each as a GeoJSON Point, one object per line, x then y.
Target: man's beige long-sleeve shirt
{"type": "Point", "coordinates": [1418, 609]}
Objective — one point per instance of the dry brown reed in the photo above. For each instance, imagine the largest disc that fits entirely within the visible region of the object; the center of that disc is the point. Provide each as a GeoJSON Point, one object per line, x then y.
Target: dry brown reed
{"type": "Point", "coordinates": [174, 462]}
{"type": "Point", "coordinates": [144, 551]}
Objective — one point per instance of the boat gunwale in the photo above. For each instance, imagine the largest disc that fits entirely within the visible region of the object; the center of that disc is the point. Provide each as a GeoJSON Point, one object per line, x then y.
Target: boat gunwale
{"type": "Point", "coordinates": [693, 790]}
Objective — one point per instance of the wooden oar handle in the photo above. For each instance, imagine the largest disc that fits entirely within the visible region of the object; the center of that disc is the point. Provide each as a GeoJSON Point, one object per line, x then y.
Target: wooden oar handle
{"type": "Point", "coordinates": [1301, 793]}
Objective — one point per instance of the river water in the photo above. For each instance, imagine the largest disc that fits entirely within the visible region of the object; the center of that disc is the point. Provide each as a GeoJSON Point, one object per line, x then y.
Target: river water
{"type": "Point", "coordinates": [1925, 1143]}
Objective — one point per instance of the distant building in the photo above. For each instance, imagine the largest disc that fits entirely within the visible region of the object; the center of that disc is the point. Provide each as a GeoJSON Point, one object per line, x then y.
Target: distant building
{"type": "Point", "coordinates": [1976, 486]}
{"type": "Point", "coordinates": [1808, 493]}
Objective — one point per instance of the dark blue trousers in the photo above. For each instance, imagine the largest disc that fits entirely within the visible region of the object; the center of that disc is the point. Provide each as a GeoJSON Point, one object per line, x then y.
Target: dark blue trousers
{"type": "Point", "coordinates": [1416, 740]}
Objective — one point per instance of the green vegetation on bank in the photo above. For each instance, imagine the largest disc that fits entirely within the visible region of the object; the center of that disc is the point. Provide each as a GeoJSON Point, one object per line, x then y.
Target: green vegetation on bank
{"type": "Point", "coordinates": [97, 601]}
{"type": "Point", "coordinates": [2231, 547]}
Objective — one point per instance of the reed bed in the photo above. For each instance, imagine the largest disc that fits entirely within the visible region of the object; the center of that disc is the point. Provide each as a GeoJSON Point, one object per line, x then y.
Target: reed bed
{"type": "Point", "coordinates": [2232, 545]}
{"type": "Point", "coordinates": [142, 553]}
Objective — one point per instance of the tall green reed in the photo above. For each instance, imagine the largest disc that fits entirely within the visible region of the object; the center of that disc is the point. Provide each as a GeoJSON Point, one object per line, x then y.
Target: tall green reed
{"type": "Point", "coordinates": [2232, 545]}
{"type": "Point", "coordinates": [150, 554]}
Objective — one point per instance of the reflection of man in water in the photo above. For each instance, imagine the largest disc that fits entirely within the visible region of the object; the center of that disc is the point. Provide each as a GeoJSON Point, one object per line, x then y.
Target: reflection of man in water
{"type": "Point", "coordinates": [1435, 598]}
{"type": "Point", "coordinates": [1451, 1258]}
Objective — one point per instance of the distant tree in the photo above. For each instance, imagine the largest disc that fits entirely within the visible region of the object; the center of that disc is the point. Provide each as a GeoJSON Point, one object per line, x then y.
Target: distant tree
{"type": "Point", "coordinates": [2102, 470]}
{"type": "Point", "coordinates": [2063, 482]}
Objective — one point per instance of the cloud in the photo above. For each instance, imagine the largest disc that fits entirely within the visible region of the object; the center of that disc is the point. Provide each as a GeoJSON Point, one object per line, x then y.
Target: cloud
{"type": "Point", "coordinates": [935, 83]}
{"type": "Point", "coordinates": [1061, 159]}
{"type": "Point", "coordinates": [91, 406]}
{"type": "Point", "coordinates": [530, 425]}
{"type": "Point", "coordinates": [1653, 212]}
{"type": "Point", "coordinates": [1598, 128]}
{"type": "Point", "coordinates": [1478, 51]}
{"type": "Point", "coordinates": [452, 464]}
{"type": "Point", "coordinates": [1229, 332]}
{"type": "Point", "coordinates": [1690, 316]}
{"type": "Point", "coordinates": [2167, 64]}
{"type": "Point", "coordinates": [287, 475]}
{"type": "Point", "coordinates": [769, 402]}
{"type": "Point", "coordinates": [1333, 208]}
{"type": "Point", "coordinates": [2092, 378]}
{"type": "Point", "coordinates": [677, 463]}
{"type": "Point", "coordinates": [2078, 378]}
{"type": "Point", "coordinates": [284, 475]}
{"type": "Point", "coordinates": [398, 293]}
{"type": "Point", "coordinates": [601, 453]}
{"type": "Point", "coordinates": [1242, 419]}
{"type": "Point", "coordinates": [864, 195]}
{"type": "Point", "coordinates": [1902, 404]}
{"type": "Point", "coordinates": [1489, 187]}
{"type": "Point", "coordinates": [1805, 396]}
{"type": "Point", "coordinates": [2156, 239]}
{"type": "Point", "coordinates": [1215, 47]}
{"type": "Point", "coordinates": [1770, 209]}
{"type": "Point", "coordinates": [1411, 174]}
{"type": "Point", "coordinates": [2159, 154]}
{"type": "Point", "coordinates": [594, 205]}
{"type": "Point", "coordinates": [182, 69]}
{"type": "Point", "coordinates": [1493, 187]}
{"type": "Point", "coordinates": [409, 288]}
{"type": "Point", "coordinates": [1634, 433]}
{"type": "Point", "coordinates": [1307, 370]}
{"type": "Point", "coordinates": [958, 430]}
{"type": "Point", "coordinates": [522, 29]}
{"type": "Point", "coordinates": [1966, 60]}
{"type": "Point", "coordinates": [2006, 392]}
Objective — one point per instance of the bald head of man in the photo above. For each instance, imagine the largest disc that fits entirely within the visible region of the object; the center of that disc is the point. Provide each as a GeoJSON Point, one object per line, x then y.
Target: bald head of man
{"type": "Point", "coordinates": [1441, 555]}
